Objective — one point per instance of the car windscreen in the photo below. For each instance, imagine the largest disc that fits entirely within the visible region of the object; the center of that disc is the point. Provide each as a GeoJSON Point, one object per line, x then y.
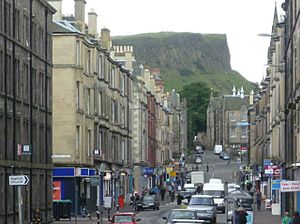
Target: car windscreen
{"type": "Point", "coordinates": [123, 218]}
{"type": "Point", "coordinates": [214, 193]}
{"type": "Point", "coordinates": [182, 215]}
{"type": "Point", "coordinates": [201, 201]}
{"type": "Point", "coordinates": [148, 198]}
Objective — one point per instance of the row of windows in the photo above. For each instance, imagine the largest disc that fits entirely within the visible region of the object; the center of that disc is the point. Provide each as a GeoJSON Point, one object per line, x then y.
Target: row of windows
{"type": "Point", "coordinates": [233, 132]}
{"type": "Point", "coordinates": [103, 68]}
{"type": "Point", "coordinates": [117, 111]}
{"type": "Point", "coordinates": [101, 142]}
{"type": "Point", "coordinates": [20, 136]}
{"type": "Point", "coordinates": [19, 84]}
{"type": "Point", "coordinates": [15, 23]}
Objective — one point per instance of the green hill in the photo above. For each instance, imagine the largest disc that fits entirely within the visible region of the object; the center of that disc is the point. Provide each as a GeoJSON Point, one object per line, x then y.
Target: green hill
{"type": "Point", "coordinates": [185, 58]}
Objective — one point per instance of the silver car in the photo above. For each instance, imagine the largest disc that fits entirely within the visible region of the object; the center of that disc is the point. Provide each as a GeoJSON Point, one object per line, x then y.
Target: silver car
{"type": "Point", "coordinates": [205, 208]}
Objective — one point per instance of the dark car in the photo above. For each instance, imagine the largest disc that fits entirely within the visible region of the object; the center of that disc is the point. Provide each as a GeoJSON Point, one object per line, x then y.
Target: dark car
{"type": "Point", "coordinates": [181, 214]}
{"type": "Point", "coordinates": [124, 217]}
{"type": "Point", "coordinates": [186, 195]}
{"type": "Point", "coordinates": [148, 202]}
{"type": "Point", "coordinates": [243, 199]}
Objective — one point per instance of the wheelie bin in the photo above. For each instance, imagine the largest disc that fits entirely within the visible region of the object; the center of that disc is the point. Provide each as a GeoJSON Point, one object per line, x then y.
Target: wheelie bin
{"type": "Point", "coordinates": [62, 209]}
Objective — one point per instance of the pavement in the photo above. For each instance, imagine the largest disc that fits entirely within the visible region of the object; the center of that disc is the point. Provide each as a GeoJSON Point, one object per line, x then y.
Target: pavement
{"type": "Point", "coordinates": [127, 208]}
{"type": "Point", "coordinates": [265, 216]}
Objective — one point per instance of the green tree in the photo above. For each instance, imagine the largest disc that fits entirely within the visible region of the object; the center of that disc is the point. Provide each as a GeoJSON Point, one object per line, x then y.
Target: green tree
{"type": "Point", "coordinates": [197, 97]}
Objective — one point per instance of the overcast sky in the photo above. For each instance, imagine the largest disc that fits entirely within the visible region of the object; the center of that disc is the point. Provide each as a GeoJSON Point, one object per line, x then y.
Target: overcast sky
{"type": "Point", "coordinates": [240, 20]}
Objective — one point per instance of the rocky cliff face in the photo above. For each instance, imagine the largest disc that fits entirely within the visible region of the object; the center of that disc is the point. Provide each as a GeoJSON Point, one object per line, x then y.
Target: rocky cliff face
{"type": "Point", "coordinates": [185, 57]}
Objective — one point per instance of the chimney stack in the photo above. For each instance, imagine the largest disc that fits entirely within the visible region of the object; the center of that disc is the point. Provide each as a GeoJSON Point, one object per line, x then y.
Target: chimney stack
{"type": "Point", "coordinates": [80, 15]}
{"type": "Point", "coordinates": [92, 23]}
{"type": "Point", "coordinates": [57, 4]}
{"type": "Point", "coordinates": [105, 38]}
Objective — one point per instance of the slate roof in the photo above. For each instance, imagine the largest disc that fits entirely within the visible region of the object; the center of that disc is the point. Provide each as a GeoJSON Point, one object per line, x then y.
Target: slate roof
{"type": "Point", "coordinates": [235, 102]}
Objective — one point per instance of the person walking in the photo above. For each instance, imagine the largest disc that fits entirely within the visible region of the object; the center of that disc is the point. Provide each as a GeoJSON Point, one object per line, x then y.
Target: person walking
{"type": "Point", "coordinates": [296, 218]}
{"type": "Point", "coordinates": [286, 219]}
{"type": "Point", "coordinates": [258, 199]}
{"type": "Point", "coordinates": [37, 217]}
{"type": "Point", "coordinates": [162, 193]}
{"type": "Point", "coordinates": [82, 204]}
{"type": "Point", "coordinates": [242, 216]}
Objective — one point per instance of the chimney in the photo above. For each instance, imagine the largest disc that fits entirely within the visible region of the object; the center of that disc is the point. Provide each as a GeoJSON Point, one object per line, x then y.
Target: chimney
{"type": "Point", "coordinates": [80, 15]}
{"type": "Point", "coordinates": [251, 97]}
{"type": "Point", "coordinates": [57, 5]}
{"type": "Point", "coordinates": [92, 23]}
{"type": "Point", "coordinates": [105, 38]}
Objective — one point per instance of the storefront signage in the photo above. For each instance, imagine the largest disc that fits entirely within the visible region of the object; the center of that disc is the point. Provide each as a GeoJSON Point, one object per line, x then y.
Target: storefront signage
{"type": "Point", "coordinates": [275, 184]}
{"type": "Point", "coordinates": [290, 186]}
{"type": "Point", "coordinates": [148, 171]}
{"type": "Point", "coordinates": [56, 191]}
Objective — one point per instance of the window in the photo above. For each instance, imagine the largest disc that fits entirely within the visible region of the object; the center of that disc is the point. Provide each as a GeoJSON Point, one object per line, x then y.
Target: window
{"type": "Point", "coordinates": [123, 116]}
{"type": "Point", "coordinates": [42, 89]}
{"type": "Point", "coordinates": [26, 82]}
{"type": "Point", "coordinates": [232, 132]}
{"type": "Point", "coordinates": [122, 87]}
{"type": "Point", "coordinates": [101, 141]}
{"type": "Point", "coordinates": [17, 24]}
{"type": "Point", "coordinates": [78, 52]}
{"type": "Point", "coordinates": [17, 79]}
{"type": "Point", "coordinates": [88, 63]}
{"type": "Point", "coordinates": [78, 95]}
{"type": "Point", "coordinates": [100, 105]}
{"type": "Point", "coordinates": [8, 18]}
{"type": "Point", "coordinates": [113, 110]}
{"type": "Point", "coordinates": [89, 142]}
{"type": "Point", "coordinates": [88, 101]}
{"type": "Point", "coordinates": [123, 151]}
{"type": "Point", "coordinates": [77, 146]}
{"type": "Point", "coordinates": [112, 77]}
{"type": "Point", "coordinates": [26, 30]}
{"type": "Point", "coordinates": [244, 115]}
{"type": "Point", "coordinates": [244, 132]}
{"type": "Point", "coordinates": [232, 116]}
{"type": "Point", "coordinates": [99, 67]}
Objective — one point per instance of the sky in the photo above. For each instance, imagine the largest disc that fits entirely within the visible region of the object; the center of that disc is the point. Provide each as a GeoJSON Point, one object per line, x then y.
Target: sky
{"type": "Point", "coordinates": [240, 20]}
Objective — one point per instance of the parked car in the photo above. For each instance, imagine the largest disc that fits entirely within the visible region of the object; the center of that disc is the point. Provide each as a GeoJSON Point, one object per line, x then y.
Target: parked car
{"type": "Point", "coordinates": [180, 214]}
{"type": "Point", "coordinates": [199, 150]}
{"type": "Point", "coordinates": [148, 202]}
{"type": "Point", "coordinates": [205, 207]}
{"type": "Point", "coordinates": [221, 154]}
{"type": "Point", "coordinates": [124, 217]}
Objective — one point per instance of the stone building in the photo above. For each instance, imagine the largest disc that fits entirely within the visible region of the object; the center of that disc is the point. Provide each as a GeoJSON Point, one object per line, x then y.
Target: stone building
{"type": "Point", "coordinates": [91, 116]}
{"type": "Point", "coordinates": [25, 108]}
{"type": "Point", "coordinates": [227, 122]}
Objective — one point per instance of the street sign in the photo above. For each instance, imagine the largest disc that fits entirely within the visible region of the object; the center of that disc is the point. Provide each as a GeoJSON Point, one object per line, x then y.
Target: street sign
{"type": "Point", "coordinates": [289, 186]}
{"type": "Point", "coordinates": [19, 180]}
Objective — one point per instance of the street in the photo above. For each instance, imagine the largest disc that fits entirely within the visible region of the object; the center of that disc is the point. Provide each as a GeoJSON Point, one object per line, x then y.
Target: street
{"type": "Point", "coordinates": [218, 168]}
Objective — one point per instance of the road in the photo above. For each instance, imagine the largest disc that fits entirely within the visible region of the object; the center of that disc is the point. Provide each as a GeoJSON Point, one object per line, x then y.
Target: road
{"type": "Point", "coordinates": [218, 168]}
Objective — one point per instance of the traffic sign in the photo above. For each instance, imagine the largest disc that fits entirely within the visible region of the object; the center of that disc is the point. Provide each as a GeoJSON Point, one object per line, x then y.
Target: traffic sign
{"type": "Point", "coordinates": [18, 180]}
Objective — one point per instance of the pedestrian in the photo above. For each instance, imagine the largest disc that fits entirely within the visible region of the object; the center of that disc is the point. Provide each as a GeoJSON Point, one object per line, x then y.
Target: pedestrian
{"type": "Point", "coordinates": [258, 199]}
{"type": "Point", "coordinates": [286, 219]}
{"type": "Point", "coordinates": [296, 218]}
{"type": "Point", "coordinates": [162, 193]}
{"type": "Point", "coordinates": [172, 196]}
{"type": "Point", "coordinates": [179, 199]}
{"type": "Point", "coordinates": [236, 216]}
{"type": "Point", "coordinates": [37, 218]}
{"type": "Point", "coordinates": [207, 167]}
{"type": "Point", "coordinates": [82, 204]}
{"type": "Point", "coordinates": [242, 216]}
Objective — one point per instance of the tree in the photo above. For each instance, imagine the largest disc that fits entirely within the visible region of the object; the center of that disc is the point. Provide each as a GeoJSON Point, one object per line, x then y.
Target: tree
{"type": "Point", "coordinates": [197, 97]}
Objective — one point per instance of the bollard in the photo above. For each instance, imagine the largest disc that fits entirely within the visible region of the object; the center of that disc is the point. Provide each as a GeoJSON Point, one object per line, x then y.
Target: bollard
{"type": "Point", "coordinates": [118, 208]}
{"type": "Point", "coordinates": [98, 217]}
{"type": "Point", "coordinates": [101, 217]}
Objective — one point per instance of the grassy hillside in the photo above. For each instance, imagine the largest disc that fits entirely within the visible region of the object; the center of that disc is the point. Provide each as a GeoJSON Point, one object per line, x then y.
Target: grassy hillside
{"type": "Point", "coordinates": [185, 58]}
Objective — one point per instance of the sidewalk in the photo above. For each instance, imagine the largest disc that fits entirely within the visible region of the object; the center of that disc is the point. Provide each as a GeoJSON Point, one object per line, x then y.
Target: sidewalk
{"type": "Point", "coordinates": [93, 220]}
{"type": "Point", "coordinates": [265, 216]}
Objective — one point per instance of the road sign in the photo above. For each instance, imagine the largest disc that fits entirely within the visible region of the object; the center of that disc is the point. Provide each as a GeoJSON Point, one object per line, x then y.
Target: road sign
{"type": "Point", "coordinates": [290, 186]}
{"type": "Point", "coordinates": [19, 180]}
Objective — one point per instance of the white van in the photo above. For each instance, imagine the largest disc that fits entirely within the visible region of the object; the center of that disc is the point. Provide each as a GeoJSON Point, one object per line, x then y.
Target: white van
{"type": "Point", "coordinates": [218, 149]}
{"type": "Point", "coordinates": [217, 191]}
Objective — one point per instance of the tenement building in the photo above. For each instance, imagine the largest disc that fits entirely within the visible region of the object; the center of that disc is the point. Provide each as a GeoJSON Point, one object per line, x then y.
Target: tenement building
{"type": "Point", "coordinates": [25, 109]}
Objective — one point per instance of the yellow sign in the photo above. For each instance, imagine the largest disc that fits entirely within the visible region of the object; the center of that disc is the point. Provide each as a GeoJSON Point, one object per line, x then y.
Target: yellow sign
{"type": "Point", "coordinates": [169, 169]}
{"type": "Point", "coordinates": [172, 174]}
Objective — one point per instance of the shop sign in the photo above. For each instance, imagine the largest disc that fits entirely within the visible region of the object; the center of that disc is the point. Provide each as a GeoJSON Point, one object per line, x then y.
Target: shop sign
{"type": "Point", "coordinates": [148, 171]}
{"type": "Point", "coordinates": [169, 169]}
{"type": "Point", "coordinates": [275, 184]}
{"type": "Point", "coordinates": [290, 186]}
